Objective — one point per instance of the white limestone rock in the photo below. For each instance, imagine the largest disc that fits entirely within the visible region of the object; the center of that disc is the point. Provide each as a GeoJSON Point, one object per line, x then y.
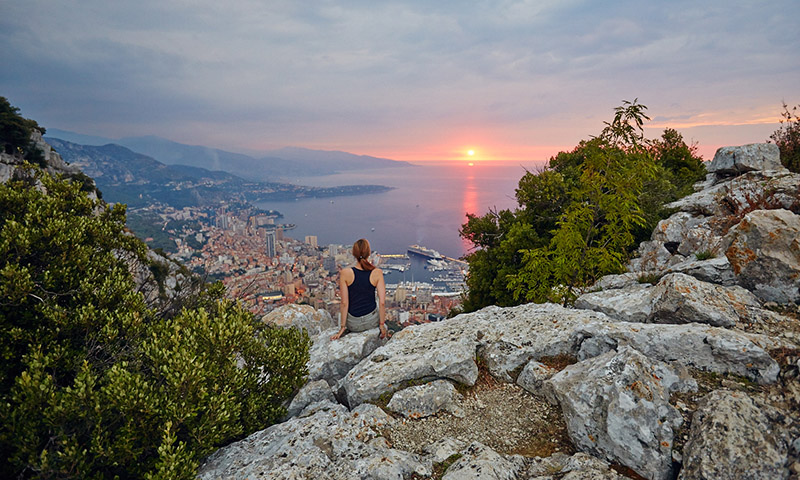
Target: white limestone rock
{"type": "Point", "coordinates": [699, 346]}
{"type": "Point", "coordinates": [714, 270]}
{"type": "Point", "coordinates": [300, 316]}
{"type": "Point", "coordinates": [329, 445]}
{"type": "Point", "coordinates": [621, 280]}
{"type": "Point", "coordinates": [746, 158]}
{"type": "Point", "coordinates": [764, 251]}
{"type": "Point", "coordinates": [743, 193]}
{"type": "Point", "coordinates": [616, 406]}
{"type": "Point", "coordinates": [479, 462]}
{"type": "Point", "coordinates": [737, 436]}
{"type": "Point", "coordinates": [689, 233]}
{"type": "Point", "coordinates": [444, 448]}
{"type": "Point", "coordinates": [312, 392]}
{"type": "Point", "coordinates": [580, 466]}
{"type": "Point", "coordinates": [425, 400]}
{"type": "Point", "coordinates": [507, 338]}
{"type": "Point", "coordinates": [653, 256]}
{"type": "Point", "coordinates": [533, 376]}
{"type": "Point", "coordinates": [680, 298]}
{"type": "Point", "coordinates": [330, 360]}
{"type": "Point", "coordinates": [630, 304]}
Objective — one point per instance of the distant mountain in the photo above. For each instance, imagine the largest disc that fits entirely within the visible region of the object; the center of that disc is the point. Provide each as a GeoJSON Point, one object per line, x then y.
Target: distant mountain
{"type": "Point", "coordinates": [129, 177]}
{"type": "Point", "coordinates": [125, 176]}
{"type": "Point", "coordinates": [277, 164]}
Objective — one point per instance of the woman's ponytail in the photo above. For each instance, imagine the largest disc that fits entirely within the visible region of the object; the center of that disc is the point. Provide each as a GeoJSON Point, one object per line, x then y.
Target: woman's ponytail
{"type": "Point", "coordinates": [361, 251]}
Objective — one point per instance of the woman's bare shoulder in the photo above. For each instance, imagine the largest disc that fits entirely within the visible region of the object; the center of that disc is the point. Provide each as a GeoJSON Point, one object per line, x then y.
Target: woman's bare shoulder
{"type": "Point", "coordinates": [347, 274]}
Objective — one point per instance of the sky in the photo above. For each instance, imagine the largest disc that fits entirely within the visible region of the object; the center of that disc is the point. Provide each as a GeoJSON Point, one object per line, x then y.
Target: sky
{"type": "Point", "coordinates": [408, 80]}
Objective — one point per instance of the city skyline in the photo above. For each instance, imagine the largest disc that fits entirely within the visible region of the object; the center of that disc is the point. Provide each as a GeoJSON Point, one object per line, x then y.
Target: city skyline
{"type": "Point", "coordinates": [405, 80]}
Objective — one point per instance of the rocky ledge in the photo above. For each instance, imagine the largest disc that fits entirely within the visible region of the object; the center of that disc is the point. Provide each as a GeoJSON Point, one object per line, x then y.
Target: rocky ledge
{"type": "Point", "coordinates": [684, 367]}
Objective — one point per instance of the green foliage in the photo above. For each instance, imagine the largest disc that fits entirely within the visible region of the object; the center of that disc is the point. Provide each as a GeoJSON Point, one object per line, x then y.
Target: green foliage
{"type": "Point", "coordinates": [787, 138]}
{"type": "Point", "coordinates": [15, 134]}
{"type": "Point", "coordinates": [704, 255]}
{"type": "Point", "coordinates": [579, 218]}
{"type": "Point", "coordinates": [97, 385]}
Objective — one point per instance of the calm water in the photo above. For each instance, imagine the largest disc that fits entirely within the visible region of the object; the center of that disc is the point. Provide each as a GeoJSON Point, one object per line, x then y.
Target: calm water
{"type": "Point", "coordinates": [427, 206]}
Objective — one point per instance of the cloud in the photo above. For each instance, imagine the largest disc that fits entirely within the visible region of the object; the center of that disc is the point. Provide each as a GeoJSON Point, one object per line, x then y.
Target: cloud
{"type": "Point", "coordinates": [396, 72]}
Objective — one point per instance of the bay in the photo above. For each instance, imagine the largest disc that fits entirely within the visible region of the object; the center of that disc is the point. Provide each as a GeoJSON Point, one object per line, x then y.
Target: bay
{"type": "Point", "coordinates": [427, 206]}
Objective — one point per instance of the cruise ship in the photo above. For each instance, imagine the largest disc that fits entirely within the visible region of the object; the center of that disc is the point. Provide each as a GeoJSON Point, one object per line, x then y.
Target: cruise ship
{"type": "Point", "coordinates": [425, 252]}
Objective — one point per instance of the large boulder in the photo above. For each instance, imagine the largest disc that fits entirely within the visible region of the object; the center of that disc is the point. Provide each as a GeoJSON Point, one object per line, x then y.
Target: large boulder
{"type": "Point", "coordinates": [714, 270]}
{"type": "Point", "coordinates": [764, 251]}
{"type": "Point", "coordinates": [580, 466]}
{"type": "Point", "coordinates": [630, 304]}
{"type": "Point", "coordinates": [744, 193]}
{"type": "Point", "coordinates": [330, 360]}
{"type": "Point", "coordinates": [680, 298]}
{"type": "Point", "coordinates": [480, 462]}
{"type": "Point", "coordinates": [312, 392]}
{"type": "Point", "coordinates": [331, 444]}
{"type": "Point", "coordinates": [617, 407]}
{"type": "Point", "coordinates": [300, 316]}
{"type": "Point", "coordinates": [506, 338]}
{"type": "Point", "coordinates": [687, 234]}
{"type": "Point", "coordinates": [693, 345]}
{"type": "Point", "coordinates": [735, 436]}
{"type": "Point", "coordinates": [425, 400]}
{"type": "Point", "coordinates": [746, 158]}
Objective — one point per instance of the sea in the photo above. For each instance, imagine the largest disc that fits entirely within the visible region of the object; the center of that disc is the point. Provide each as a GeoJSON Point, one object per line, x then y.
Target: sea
{"type": "Point", "coordinates": [427, 206]}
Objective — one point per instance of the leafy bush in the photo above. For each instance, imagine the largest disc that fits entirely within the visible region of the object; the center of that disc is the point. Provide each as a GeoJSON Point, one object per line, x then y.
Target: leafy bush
{"type": "Point", "coordinates": [580, 217]}
{"type": "Point", "coordinates": [92, 382]}
{"type": "Point", "coordinates": [787, 138]}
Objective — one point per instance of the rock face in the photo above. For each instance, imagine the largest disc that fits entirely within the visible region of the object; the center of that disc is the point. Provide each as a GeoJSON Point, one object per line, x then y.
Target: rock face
{"type": "Point", "coordinates": [630, 304]}
{"type": "Point", "coordinates": [481, 462]}
{"type": "Point", "coordinates": [746, 158]}
{"type": "Point", "coordinates": [301, 316]}
{"type": "Point", "coordinates": [334, 444]}
{"type": "Point", "coordinates": [507, 338]}
{"type": "Point", "coordinates": [577, 467]}
{"type": "Point", "coordinates": [764, 250]}
{"type": "Point", "coordinates": [426, 400]}
{"type": "Point", "coordinates": [54, 164]}
{"type": "Point", "coordinates": [735, 436]}
{"type": "Point", "coordinates": [692, 345]}
{"type": "Point", "coordinates": [617, 406]}
{"type": "Point", "coordinates": [680, 298]}
{"type": "Point", "coordinates": [331, 360]}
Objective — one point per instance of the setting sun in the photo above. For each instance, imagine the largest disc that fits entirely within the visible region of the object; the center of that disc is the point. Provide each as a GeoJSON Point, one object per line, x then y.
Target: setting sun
{"type": "Point", "coordinates": [471, 153]}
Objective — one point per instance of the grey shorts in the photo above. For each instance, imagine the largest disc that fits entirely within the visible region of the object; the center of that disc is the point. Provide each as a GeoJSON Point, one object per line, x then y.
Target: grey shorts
{"type": "Point", "coordinates": [363, 323]}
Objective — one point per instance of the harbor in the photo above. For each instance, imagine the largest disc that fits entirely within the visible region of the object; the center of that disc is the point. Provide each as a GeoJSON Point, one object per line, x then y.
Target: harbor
{"type": "Point", "coordinates": [423, 268]}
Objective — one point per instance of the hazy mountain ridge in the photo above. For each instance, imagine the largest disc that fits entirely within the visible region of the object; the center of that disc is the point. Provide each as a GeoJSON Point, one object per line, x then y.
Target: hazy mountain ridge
{"type": "Point", "coordinates": [126, 176]}
{"type": "Point", "coordinates": [281, 163]}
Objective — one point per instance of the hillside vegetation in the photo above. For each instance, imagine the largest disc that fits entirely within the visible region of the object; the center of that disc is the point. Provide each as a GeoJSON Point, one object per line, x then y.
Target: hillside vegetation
{"type": "Point", "coordinates": [96, 383]}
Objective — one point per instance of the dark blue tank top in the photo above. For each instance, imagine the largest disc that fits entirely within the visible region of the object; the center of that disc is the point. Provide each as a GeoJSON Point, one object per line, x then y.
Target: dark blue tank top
{"type": "Point", "coordinates": [361, 293]}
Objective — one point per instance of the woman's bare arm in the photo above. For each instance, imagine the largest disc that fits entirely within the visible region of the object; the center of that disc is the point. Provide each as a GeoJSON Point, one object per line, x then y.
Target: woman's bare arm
{"type": "Point", "coordinates": [343, 306]}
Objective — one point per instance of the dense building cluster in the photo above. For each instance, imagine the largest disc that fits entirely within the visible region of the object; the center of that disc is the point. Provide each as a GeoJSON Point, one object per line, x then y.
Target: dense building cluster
{"type": "Point", "coordinates": [263, 267]}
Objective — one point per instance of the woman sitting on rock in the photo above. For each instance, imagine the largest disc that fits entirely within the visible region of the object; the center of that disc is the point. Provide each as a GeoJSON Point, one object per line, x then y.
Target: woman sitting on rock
{"type": "Point", "coordinates": [357, 286]}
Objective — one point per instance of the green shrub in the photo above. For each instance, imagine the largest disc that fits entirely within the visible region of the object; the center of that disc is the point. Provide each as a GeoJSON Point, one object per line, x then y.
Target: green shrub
{"type": "Point", "coordinates": [96, 385]}
{"type": "Point", "coordinates": [579, 218]}
{"type": "Point", "coordinates": [704, 255]}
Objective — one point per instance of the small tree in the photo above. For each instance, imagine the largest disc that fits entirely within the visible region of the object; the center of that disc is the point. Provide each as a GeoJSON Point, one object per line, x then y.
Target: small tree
{"type": "Point", "coordinates": [787, 138]}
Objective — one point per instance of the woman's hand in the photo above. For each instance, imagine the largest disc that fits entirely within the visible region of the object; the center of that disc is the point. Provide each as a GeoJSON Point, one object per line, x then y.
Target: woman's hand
{"type": "Point", "coordinates": [338, 334]}
{"type": "Point", "coordinates": [384, 332]}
